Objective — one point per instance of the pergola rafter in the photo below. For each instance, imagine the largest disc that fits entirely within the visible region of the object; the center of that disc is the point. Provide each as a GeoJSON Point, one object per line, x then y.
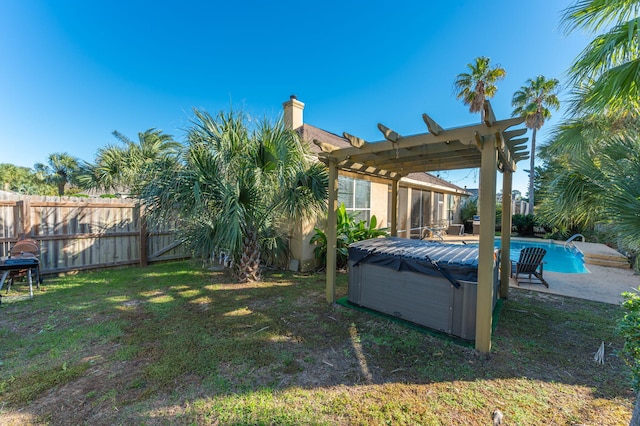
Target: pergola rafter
{"type": "Point", "coordinates": [488, 145]}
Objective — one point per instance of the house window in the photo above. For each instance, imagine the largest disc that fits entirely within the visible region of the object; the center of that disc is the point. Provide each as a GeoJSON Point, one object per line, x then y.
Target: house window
{"type": "Point", "coordinates": [420, 212]}
{"type": "Point", "coordinates": [355, 194]}
{"type": "Point", "coordinates": [438, 207]}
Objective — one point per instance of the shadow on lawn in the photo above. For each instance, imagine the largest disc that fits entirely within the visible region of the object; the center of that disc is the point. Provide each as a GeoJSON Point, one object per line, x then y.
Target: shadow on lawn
{"type": "Point", "coordinates": [152, 339]}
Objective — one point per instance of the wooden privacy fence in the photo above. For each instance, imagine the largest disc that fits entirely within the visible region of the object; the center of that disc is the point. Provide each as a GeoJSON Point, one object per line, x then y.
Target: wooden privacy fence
{"type": "Point", "coordinates": [86, 233]}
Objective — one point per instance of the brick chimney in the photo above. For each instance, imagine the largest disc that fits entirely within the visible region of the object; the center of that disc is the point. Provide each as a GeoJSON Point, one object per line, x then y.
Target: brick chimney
{"type": "Point", "coordinates": [293, 112]}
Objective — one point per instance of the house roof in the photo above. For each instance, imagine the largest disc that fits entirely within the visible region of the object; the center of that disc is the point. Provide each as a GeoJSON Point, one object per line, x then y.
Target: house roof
{"type": "Point", "coordinates": [311, 133]}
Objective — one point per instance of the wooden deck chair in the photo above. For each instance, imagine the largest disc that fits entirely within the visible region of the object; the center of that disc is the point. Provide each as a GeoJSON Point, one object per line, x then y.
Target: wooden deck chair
{"type": "Point", "coordinates": [530, 263]}
{"type": "Point", "coordinates": [28, 249]}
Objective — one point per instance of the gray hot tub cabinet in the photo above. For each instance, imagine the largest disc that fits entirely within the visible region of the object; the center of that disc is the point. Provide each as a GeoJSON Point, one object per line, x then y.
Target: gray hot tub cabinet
{"type": "Point", "coordinates": [430, 284]}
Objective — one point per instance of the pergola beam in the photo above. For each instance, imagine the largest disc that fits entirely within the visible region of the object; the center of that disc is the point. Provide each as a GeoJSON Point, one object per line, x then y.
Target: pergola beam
{"type": "Point", "coordinates": [354, 141]}
{"type": "Point", "coordinates": [522, 156]}
{"type": "Point", "coordinates": [505, 162]}
{"type": "Point", "coordinates": [389, 134]}
{"type": "Point", "coordinates": [423, 150]}
{"type": "Point", "coordinates": [367, 169]}
{"type": "Point", "coordinates": [488, 116]}
{"type": "Point", "coordinates": [516, 143]}
{"type": "Point", "coordinates": [325, 147]}
{"type": "Point", "coordinates": [414, 154]}
{"type": "Point", "coordinates": [430, 162]}
{"type": "Point", "coordinates": [461, 134]}
{"type": "Point", "coordinates": [510, 134]}
{"type": "Point", "coordinates": [434, 128]}
{"type": "Point", "coordinates": [433, 166]}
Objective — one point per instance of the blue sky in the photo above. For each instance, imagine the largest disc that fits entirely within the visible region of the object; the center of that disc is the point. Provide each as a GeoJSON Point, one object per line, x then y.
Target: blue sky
{"type": "Point", "coordinates": [74, 71]}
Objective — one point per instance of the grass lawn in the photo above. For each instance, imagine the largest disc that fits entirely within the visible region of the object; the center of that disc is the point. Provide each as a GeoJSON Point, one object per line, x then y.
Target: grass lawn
{"type": "Point", "coordinates": [177, 344]}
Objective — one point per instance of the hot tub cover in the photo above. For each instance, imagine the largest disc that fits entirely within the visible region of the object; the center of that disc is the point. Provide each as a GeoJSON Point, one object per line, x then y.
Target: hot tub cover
{"type": "Point", "coordinates": [454, 262]}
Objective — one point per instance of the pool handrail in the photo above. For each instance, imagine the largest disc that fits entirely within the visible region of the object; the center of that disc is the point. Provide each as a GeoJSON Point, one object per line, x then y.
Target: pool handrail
{"type": "Point", "coordinates": [573, 237]}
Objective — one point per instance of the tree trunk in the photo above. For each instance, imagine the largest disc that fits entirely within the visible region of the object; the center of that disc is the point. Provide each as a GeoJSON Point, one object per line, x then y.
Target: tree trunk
{"type": "Point", "coordinates": [635, 417]}
{"type": "Point", "coordinates": [249, 264]}
{"type": "Point", "coordinates": [532, 170]}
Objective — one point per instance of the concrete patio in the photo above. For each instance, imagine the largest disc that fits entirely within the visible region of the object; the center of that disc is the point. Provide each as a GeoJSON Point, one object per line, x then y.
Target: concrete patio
{"type": "Point", "coordinates": [601, 284]}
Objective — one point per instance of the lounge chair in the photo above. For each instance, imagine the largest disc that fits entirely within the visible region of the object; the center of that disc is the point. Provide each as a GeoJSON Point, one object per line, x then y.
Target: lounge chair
{"type": "Point", "coordinates": [530, 263]}
{"type": "Point", "coordinates": [434, 231]}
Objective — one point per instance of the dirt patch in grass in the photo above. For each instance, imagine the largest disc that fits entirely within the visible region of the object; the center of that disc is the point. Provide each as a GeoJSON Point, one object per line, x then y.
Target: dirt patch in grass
{"type": "Point", "coordinates": [104, 385]}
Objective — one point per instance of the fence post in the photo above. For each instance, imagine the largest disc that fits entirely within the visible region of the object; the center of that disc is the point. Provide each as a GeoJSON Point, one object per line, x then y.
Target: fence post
{"type": "Point", "coordinates": [143, 237]}
{"type": "Point", "coordinates": [17, 220]}
{"type": "Point", "coordinates": [25, 206]}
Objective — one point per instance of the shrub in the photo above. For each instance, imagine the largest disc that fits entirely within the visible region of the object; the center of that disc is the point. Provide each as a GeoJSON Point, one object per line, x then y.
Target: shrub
{"type": "Point", "coordinates": [468, 210]}
{"type": "Point", "coordinates": [629, 328]}
{"type": "Point", "coordinates": [349, 230]}
{"type": "Point", "coordinates": [524, 223]}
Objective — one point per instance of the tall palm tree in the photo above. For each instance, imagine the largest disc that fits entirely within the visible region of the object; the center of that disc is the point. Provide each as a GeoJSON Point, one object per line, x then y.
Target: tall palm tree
{"type": "Point", "coordinates": [126, 167]}
{"type": "Point", "coordinates": [532, 101]}
{"type": "Point", "coordinates": [607, 72]}
{"type": "Point", "coordinates": [237, 188]}
{"type": "Point", "coordinates": [479, 83]}
{"type": "Point", "coordinates": [60, 170]}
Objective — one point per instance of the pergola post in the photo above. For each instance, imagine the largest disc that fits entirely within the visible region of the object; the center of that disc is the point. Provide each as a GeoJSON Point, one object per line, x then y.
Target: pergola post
{"type": "Point", "coordinates": [332, 232]}
{"type": "Point", "coordinates": [395, 184]}
{"type": "Point", "coordinates": [484, 303]}
{"type": "Point", "coordinates": [505, 259]}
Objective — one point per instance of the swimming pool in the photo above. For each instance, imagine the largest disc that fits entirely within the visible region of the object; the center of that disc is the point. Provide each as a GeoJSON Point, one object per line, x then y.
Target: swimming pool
{"type": "Point", "coordinates": [567, 260]}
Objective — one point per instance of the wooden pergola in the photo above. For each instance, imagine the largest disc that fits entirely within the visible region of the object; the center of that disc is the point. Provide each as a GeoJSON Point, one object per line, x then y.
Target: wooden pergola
{"type": "Point", "coordinates": [488, 145]}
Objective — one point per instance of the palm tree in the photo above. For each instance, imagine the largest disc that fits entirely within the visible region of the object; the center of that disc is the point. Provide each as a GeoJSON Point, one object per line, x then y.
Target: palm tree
{"type": "Point", "coordinates": [598, 185]}
{"type": "Point", "coordinates": [153, 145]}
{"type": "Point", "coordinates": [605, 78]}
{"type": "Point", "coordinates": [236, 189]}
{"type": "Point", "coordinates": [606, 73]}
{"type": "Point", "coordinates": [60, 170]}
{"type": "Point", "coordinates": [532, 101]}
{"type": "Point", "coordinates": [126, 168]}
{"type": "Point", "coordinates": [478, 84]}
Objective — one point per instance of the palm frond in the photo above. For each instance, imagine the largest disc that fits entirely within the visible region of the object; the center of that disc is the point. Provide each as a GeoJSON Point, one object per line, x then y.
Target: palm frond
{"type": "Point", "coordinates": [593, 15]}
{"type": "Point", "coordinates": [611, 49]}
{"type": "Point", "coordinates": [617, 89]}
{"type": "Point", "coordinates": [606, 73]}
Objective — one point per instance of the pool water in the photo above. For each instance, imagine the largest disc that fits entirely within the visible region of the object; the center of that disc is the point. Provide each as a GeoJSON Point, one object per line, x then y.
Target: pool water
{"type": "Point", "coordinates": [567, 260]}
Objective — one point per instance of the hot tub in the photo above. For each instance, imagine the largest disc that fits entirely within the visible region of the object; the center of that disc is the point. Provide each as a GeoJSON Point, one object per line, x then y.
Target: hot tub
{"type": "Point", "coordinates": [428, 283]}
